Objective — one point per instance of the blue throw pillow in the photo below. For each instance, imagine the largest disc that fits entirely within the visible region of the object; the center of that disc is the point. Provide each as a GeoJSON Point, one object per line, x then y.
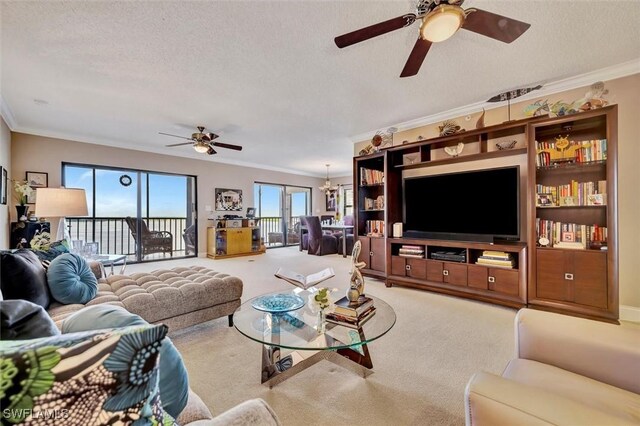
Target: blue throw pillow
{"type": "Point", "coordinates": [174, 381]}
{"type": "Point", "coordinates": [70, 279]}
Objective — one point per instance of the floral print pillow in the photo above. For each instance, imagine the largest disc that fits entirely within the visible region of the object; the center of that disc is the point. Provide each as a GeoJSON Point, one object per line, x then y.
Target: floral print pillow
{"type": "Point", "coordinates": [105, 377]}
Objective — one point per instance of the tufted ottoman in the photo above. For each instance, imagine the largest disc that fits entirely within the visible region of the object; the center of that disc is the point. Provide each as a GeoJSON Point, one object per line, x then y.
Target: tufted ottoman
{"type": "Point", "coordinates": [178, 297]}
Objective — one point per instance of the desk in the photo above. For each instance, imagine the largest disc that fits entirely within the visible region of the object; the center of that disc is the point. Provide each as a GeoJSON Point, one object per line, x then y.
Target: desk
{"type": "Point", "coordinates": [110, 259]}
{"type": "Point", "coordinates": [342, 228]}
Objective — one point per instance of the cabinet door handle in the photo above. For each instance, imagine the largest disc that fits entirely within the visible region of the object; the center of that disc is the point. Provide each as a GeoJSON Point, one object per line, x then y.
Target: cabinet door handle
{"type": "Point", "coordinates": [568, 277]}
{"type": "Point", "coordinates": [492, 279]}
{"type": "Point", "coordinates": [407, 267]}
{"type": "Point", "coordinates": [445, 272]}
{"type": "Point", "coordinates": [370, 253]}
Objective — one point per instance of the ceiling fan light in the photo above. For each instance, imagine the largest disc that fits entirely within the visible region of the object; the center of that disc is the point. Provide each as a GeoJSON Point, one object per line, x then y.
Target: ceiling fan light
{"type": "Point", "coordinates": [201, 147]}
{"type": "Point", "coordinates": [441, 23]}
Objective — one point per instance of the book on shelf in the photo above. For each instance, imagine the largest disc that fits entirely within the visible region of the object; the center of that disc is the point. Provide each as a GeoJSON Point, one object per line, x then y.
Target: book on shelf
{"type": "Point", "coordinates": [374, 203]}
{"type": "Point", "coordinates": [585, 151]}
{"type": "Point", "coordinates": [575, 193]}
{"type": "Point", "coordinates": [559, 232]}
{"type": "Point", "coordinates": [407, 250]}
{"type": "Point", "coordinates": [351, 322]}
{"type": "Point", "coordinates": [375, 227]}
{"type": "Point", "coordinates": [353, 309]}
{"type": "Point", "coordinates": [302, 281]}
{"type": "Point", "coordinates": [403, 250]}
{"type": "Point", "coordinates": [371, 177]}
{"type": "Point", "coordinates": [413, 256]}
{"type": "Point", "coordinates": [493, 262]}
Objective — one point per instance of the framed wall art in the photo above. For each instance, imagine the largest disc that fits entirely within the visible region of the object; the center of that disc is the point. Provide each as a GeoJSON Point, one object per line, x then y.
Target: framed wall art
{"type": "Point", "coordinates": [4, 182]}
{"type": "Point", "coordinates": [37, 179]}
{"type": "Point", "coordinates": [332, 201]}
{"type": "Point", "coordinates": [228, 199]}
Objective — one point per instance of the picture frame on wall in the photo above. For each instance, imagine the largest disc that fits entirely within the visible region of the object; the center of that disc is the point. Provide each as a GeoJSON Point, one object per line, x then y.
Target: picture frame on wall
{"type": "Point", "coordinates": [332, 200]}
{"type": "Point", "coordinates": [37, 179]}
{"type": "Point", "coordinates": [228, 199]}
{"type": "Point", "coordinates": [4, 182]}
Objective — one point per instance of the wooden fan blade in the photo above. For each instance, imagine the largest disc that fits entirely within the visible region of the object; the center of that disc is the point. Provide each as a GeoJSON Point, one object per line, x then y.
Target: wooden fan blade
{"type": "Point", "coordinates": [180, 144]}
{"type": "Point", "coordinates": [175, 136]}
{"type": "Point", "coordinates": [495, 26]}
{"type": "Point", "coordinates": [211, 136]}
{"type": "Point", "coordinates": [374, 30]}
{"type": "Point", "coordinates": [416, 58]}
{"type": "Point", "coordinates": [227, 145]}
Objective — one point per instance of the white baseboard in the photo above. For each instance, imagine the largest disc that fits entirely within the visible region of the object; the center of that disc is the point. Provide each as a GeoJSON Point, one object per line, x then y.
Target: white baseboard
{"type": "Point", "coordinates": [629, 313]}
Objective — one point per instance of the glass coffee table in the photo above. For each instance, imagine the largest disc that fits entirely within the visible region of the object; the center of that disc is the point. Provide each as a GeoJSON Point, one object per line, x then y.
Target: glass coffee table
{"type": "Point", "coordinates": [291, 341]}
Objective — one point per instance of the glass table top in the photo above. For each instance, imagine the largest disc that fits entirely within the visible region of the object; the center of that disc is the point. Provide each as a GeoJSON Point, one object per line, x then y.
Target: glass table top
{"type": "Point", "coordinates": [298, 329]}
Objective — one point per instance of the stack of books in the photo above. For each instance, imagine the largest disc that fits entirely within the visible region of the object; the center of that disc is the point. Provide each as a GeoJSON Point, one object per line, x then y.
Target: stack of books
{"type": "Point", "coordinates": [352, 314]}
{"type": "Point", "coordinates": [496, 258]}
{"type": "Point", "coordinates": [411, 251]}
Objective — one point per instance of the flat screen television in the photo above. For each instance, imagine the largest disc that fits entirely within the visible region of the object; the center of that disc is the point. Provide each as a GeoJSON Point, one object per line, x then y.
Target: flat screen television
{"type": "Point", "coordinates": [479, 205]}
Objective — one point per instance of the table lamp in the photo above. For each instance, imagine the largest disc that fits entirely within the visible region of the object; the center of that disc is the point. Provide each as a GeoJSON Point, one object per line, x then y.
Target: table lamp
{"type": "Point", "coordinates": [61, 202]}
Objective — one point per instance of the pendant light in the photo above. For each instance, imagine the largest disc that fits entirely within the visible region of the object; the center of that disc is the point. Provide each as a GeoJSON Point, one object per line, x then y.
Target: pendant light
{"type": "Point", "coordinates": [327, 188]}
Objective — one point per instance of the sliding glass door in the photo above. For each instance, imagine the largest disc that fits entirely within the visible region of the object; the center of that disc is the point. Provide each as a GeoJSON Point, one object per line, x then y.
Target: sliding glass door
{"type": "Point", "coordinates": [143, 215]}
{"type": "Point", "coordinates": [280, 208]}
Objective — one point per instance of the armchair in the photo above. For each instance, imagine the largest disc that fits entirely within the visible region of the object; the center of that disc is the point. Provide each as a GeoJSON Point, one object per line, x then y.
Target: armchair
{"type": "Point", "coordinates": [318, 243]}
{"type": "Point", "coordinates": [151, 241]}
{"type": "Point", "coordinates": [566, 370]}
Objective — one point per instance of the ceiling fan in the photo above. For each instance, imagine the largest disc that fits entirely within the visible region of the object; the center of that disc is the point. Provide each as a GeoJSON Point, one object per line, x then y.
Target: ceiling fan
{"type": "Point", "coordinates": [203, 142]}
{"type": "Point", "coordinates": [441, 19]}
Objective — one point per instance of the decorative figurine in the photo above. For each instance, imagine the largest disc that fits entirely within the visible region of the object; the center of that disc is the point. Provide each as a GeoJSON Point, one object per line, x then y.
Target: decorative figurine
{"type": "Point", "coordinates": [480, 122]}
{"type": "Point", "coordinates": [356, 283]}
{"type": "Point", "coordinates": [512, 94]}
{"type": "Point", "coordinates": [449, 127]}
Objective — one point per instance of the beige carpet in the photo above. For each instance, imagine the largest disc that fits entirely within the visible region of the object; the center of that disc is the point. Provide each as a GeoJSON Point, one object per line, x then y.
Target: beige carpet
{"type": "Point", "coordinates": [421, 366]}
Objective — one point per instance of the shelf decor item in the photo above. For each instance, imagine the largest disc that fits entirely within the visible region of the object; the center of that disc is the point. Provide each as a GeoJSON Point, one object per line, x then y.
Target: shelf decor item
{"type": "Point", "coordinates": [454, 151]}
{"type": "Point", "coordinates": [502, 146]}
{"type": "Point", "coordinates": [512, 94]}
{"type": "Point", "coordinates": [449, 127]}
{"type": "Point", "coordinates": [356, 282]}
{"type": "Point", "coordinates": [278, 303]}
{"type": "Point", "coordinates": [24, 192]}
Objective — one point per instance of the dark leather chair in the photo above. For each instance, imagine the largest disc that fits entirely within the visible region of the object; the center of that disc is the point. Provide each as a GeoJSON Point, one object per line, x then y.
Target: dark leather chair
{"type": "Point", "coordinates": [348, 220]}
{"type": "Point", "coordinates": [304, 235]}
{"type": "Point", "coordinates": [151, 241]}
{"type": "Point", "coordinates": [318, 243]}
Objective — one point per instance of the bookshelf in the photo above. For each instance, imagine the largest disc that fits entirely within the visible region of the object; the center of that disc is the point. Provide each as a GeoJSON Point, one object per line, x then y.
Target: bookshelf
{"type": "Point", "coordinates": [572, 185]}
{"type": "Point", "coordinates": [370, 211]}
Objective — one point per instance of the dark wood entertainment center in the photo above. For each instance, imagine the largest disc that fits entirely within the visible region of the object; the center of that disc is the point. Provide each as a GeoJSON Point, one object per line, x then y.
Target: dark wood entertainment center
{"type": "Point", "coordinates": [558, 276]}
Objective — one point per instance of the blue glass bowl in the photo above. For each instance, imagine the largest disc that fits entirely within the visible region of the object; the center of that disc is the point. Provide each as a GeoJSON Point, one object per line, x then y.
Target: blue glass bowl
{"type": "Point", "coordinates": [276, 303]}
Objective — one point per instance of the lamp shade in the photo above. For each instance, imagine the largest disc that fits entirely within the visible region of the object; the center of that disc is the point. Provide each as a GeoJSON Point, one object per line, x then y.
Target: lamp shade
{"type": "Point", "coordinates": [61, 202]}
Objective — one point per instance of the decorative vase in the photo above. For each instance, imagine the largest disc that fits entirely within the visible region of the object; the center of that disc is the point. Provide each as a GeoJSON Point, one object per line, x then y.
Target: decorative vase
{"type": "Point", "coordinates": [322, 322]}
{"type": "Point", "coordinates": [22, 212]}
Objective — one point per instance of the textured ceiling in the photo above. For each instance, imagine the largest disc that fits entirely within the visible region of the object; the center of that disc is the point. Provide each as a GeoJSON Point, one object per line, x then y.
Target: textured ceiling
{"type": "Point", "coordinates": [268, 76]}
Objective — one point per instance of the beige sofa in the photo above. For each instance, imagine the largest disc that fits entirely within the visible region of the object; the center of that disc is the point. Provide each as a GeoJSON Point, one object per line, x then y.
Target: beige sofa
{"type": "Point", "coordinates": [566, 371]}
{"type": "Point", "coordinates": [249, 413]}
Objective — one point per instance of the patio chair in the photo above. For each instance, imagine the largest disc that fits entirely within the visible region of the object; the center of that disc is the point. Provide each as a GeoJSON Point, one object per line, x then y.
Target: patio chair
{"type": "Point", "coordinates": [150, 241]}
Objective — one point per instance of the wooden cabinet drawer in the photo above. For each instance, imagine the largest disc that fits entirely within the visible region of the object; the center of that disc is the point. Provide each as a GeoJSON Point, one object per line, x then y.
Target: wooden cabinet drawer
{"type": "Point", "coordinates": [417, 268]}
{"type": "Point", "coordinates": [455, 273]}
{"type": "Point", "coordinates": [551, 266]}
{"type": "Point", "coordinates": [398, 265]}
{"type": "Point", "coordinates": [434, 271]}
{"type": "Point", "coordinates": [590, 278]}
{"type": "Point", "coordinates": [378, 259]}
{"type": "Point", "coordinates": [478, 277]}
{"type": "Point", "coordinates": [503, 281]}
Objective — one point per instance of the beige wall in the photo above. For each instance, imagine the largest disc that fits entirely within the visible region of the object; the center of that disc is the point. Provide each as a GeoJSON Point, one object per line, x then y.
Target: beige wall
{"type": "Point", "coordinates": [5, 161]}
{"type": "Point", "coordinates": [36, 153]}
{"type": "Point", "coordinates": [626, 93]}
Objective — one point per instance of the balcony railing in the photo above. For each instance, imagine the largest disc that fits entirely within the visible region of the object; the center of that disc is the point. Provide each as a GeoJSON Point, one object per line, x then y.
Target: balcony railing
{"type": "Point", "coordinates": [114, 236]}
{"type": "Point", "coordinates": [271, 230]}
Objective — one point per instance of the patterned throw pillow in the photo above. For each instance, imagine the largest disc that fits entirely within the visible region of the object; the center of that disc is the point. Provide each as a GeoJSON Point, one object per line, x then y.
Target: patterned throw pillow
{"type": "Point", "coordinates": [55, 249]}
{"type": "Point", "coordinates": [98, 377]}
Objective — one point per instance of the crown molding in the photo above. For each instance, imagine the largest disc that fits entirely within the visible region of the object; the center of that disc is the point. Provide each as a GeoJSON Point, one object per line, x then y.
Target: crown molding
{"type": "Point", "coordinates": [159, 150]}
{"type": "Point", "coordinates": [7, 114]}
{"type": "Point", "coordinates": [604, 74]}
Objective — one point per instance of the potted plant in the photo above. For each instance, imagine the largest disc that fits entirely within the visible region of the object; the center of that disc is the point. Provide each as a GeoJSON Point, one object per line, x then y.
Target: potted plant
{"type": "Point", "coordinates": [23, 191]}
